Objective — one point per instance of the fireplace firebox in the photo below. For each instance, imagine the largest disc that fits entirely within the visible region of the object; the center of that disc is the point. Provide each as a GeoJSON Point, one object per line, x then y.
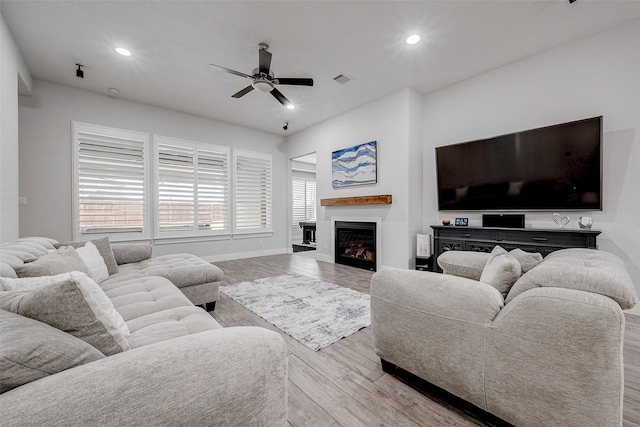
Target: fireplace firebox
{"type": "Point", "coordinates": [355, 244]}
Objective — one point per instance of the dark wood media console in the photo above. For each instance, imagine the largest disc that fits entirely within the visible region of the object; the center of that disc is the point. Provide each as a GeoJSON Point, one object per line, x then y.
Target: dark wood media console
{"type": "Point", "coordinates": [483, 239]}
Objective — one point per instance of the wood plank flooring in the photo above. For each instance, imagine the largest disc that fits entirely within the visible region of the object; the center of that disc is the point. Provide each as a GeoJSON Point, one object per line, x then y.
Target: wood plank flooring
{"type": "Point", "coordinates": [344, 385]}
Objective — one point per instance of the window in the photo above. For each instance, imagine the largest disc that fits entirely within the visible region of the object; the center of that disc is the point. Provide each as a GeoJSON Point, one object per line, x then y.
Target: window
{"type": "Point", "coordinates": [192, 192]}
{"type": "Point", "coordinates": [110, 181]}
{"type": "Point", "coordinates": [304, 200]}
{"type": "Point", "coordinates": [192, 188]}
{"type": "Point", "coordinates": [252, 192]}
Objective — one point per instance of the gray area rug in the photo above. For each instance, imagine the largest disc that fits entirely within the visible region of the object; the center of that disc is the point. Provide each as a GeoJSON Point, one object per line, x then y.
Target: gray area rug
{"type": "Point", "coordinates": [314, 312]}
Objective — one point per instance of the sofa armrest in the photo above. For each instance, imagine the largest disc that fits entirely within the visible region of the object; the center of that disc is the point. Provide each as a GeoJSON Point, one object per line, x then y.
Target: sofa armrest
{"type": "Point", "coordinates": [558, 351]}
{"type": "Point", "coordinates": [433, 325]}
{"type": "Point", "coordinates": [452, 297]}
{"type": "Point", "coordinates": [467, 264]}
{"type": "Point", "coordinates": [231, 376]}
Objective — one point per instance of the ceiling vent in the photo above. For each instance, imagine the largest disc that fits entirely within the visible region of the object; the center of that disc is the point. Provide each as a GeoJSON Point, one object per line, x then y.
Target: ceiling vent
{"type": "Point", "coordinates": [341, 78]}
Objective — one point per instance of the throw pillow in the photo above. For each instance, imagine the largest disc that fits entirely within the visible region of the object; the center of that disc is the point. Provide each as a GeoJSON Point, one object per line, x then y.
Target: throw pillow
{"type": "Point", "coordinates": [96, 267]}
{"type": "Point", "coordinates": [501, 271]}
{"type": "Point", "coordinates": [527, 260]}
{"type": "Point", "coordinates": [32, 350]}
{"type": "Point", "coordinates": [126, 254]}
{"type": "Point", "coordinates": [31, 283]}
{"type": "Point", "coordinates": [63, 260]}
{"type": "Point", "coordinates": [69, 305]}
{"type": "Point", "coordinates": [104, 247]}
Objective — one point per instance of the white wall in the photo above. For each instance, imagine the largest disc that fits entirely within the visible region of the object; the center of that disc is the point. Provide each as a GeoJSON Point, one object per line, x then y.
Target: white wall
{"type": "Point", "coordinates": [598, 75]}
{"type": "Point", "coordinates": [14, 75]}
{"type": "Point", "coordinates": [45, 162]}
{"type": "Point", "coordinates": [391, 121]}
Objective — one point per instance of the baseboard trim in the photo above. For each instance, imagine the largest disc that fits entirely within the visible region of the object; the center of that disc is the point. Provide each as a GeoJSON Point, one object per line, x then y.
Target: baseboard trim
{"type": "Point", "coordinates": [243, 255]}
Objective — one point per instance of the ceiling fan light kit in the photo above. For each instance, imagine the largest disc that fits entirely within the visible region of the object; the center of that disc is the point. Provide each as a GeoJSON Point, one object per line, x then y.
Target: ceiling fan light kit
{"type": "Point", "coordinates": [262, 85]}
{"type": "Point", "coordinates": [263, 78]}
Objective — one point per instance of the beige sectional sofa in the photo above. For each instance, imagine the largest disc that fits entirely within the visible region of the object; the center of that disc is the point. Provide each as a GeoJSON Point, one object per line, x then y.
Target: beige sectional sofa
{"type": "Point", "coordinates": [148, 356]}
{"type": "Point", "coordinates": [549, 354]}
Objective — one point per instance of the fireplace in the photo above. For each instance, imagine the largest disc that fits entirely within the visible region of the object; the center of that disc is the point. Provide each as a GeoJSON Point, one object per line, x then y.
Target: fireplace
{"type": "Point", "coordinates": [355, 244]}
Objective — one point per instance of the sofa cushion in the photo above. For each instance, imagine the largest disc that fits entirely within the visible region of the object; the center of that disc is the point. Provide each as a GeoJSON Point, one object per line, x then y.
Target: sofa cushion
{"type": "Point", "coordinates": [141, 296]}
{"type": "Point", "coordinates": [62, 260]}
{"type": "Point", "coordinates": [588, 270]}
{"type": "Point", "coordinates": [155, 309]}
{"type": "Point", "coordinates": [527, 260]}
{"type": "Point", "coordinates": [32, 350]}
{"type": "Point", "coordinates": [7, 271]}
{"type": "Point", "coordinates": [168, 324]}
{"type": "Point", "coordinates": [93, 261]}
{"type": "Point", "coordinates": [125, 254]}
{"type": "Point", "coordinates": [70, 305]}
{"type": "Point", "coordinates": [11, 253]}
{"type": "Point", "coordinates": [181, 269]}
{"type": "Point", "coordinates": [501, 271]}
{"type": "Point", "coordinates": [104, 247]}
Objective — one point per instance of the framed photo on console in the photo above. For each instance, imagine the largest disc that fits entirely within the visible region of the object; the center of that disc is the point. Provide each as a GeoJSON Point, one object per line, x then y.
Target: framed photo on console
{"type": "Point", "coordinates": [462, 222]}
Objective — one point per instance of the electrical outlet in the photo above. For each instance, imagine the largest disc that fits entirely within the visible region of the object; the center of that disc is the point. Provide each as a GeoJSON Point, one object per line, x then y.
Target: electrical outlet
{"type": "Point", "coordinates": [261, 242]}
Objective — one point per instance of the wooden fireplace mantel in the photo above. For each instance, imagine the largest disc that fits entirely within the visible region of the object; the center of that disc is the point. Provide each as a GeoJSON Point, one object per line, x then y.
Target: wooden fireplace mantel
{"type": "Point", "coordinates": [380, 199]}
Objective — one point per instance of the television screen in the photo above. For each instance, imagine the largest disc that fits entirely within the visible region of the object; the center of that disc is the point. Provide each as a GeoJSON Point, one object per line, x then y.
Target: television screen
{"type": "Point", "coordinates": [552, 168]}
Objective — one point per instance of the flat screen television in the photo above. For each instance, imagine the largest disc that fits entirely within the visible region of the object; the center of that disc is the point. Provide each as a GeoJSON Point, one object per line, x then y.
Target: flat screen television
{"type": "Point", "coordinates": [556, 168]}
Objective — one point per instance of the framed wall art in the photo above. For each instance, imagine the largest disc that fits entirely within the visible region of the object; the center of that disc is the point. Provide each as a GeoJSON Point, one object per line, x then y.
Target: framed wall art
{"type": "Point", "coordinates": [354, 165]}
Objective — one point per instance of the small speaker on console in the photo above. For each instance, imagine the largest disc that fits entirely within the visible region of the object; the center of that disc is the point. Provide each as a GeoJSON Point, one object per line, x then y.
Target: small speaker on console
{"type": "Point", "coordinates": [503, 220]}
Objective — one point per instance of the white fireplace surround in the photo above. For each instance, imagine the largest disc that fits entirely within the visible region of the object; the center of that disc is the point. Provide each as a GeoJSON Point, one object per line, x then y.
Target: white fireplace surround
{"type": "Point", "coordinates": [376, 220]}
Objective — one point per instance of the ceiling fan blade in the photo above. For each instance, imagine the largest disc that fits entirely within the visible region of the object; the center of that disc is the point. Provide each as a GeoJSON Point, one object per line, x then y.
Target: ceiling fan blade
{"type": "Point", "coordinates": [230, 71]}
{"type": "Point", "coordinates": [243, 92]}
{"type": "Point", "coordinates": [280, 97]}
{"type": "Point", "coordinates": [264, 59]}
{"type": "Point", "coordinates": [290, 81]}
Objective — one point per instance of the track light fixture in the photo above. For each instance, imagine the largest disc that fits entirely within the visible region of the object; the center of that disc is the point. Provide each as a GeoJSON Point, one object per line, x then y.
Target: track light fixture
{"type": "Point", "coordinates": [79, 71]}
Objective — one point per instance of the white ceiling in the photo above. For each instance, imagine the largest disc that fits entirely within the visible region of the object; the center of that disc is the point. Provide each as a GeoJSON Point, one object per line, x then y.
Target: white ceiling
{"type": "Point", "coordinates": [173, 43]}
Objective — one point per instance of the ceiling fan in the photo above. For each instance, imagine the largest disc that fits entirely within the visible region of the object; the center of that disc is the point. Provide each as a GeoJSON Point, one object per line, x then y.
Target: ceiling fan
{"type": "Point", "coordinates": [263, 78]}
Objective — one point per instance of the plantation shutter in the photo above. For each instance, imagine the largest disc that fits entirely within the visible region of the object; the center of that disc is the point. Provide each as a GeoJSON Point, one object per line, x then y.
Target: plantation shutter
{"type": "Point", "coordinates": [213, 190]}
{"type": "Point", "coordinates": [310, 199]}
{"type": "Point", "coordinates": [110, 181]}
{"type": "Point", "coordinates": [252, 192]}
{"type": "Point", "coordinates": [192, 188]}
{"type": "Point", "coordinates": [175, 188]}
{"type": "Point", "coordinates": [304, 200]}
{"type": "Point", "coordinates": [299, 201]}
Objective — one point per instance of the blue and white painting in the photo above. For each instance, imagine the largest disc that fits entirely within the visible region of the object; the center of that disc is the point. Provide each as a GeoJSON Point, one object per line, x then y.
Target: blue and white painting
{"type": "Point", "coordinates": [354, 165]}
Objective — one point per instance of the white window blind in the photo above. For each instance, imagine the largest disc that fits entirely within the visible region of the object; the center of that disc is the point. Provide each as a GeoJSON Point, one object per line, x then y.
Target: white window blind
{"type": "Point", "coordinates": [213, 190]}
{"type": "Point", "coordinates": [110, 181]}
{"type": "Point", "coordinates": [304, 200]}
{"type": "Point", "coordinates": [192, 188]}
{"type": "Point", "coordinates": [253, 204]}
{"type": "Point", "coordinates": [175, 186]}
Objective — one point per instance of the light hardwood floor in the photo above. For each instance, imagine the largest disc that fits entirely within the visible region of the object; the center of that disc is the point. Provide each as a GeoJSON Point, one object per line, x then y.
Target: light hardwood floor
{"type": "Point", "coordinates": [344, 385]}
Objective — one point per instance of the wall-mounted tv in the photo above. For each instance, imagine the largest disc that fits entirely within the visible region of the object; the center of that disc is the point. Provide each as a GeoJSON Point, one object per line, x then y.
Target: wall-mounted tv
{"type": "Point", "coordinates": [556, 168]}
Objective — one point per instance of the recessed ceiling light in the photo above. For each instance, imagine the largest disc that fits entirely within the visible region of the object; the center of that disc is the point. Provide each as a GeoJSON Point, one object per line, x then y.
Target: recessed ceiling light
{"type": "Point", "coordinates": [413, 39]}
{"type": "Point", "coordinates": [291, 106]}
{"type": "Point", "coordinates": [113, 90]}
{"type": "Point", "coordinates": [122, 51]}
